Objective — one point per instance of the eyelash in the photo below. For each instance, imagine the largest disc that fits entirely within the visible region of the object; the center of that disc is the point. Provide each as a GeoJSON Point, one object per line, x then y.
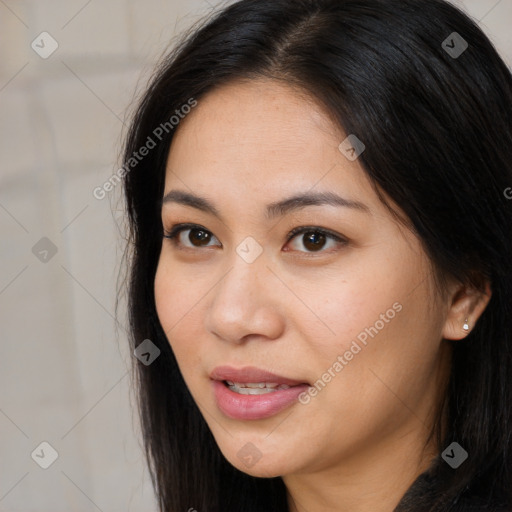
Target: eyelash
{"type": "Point", "coordinates": [175, 230]}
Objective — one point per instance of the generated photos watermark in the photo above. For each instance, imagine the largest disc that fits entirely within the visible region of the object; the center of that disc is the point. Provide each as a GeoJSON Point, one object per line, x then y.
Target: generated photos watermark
{"type": "Point", "coordinates": [137, 156]}
{"type": "Point", "coordinates": [348, 355]}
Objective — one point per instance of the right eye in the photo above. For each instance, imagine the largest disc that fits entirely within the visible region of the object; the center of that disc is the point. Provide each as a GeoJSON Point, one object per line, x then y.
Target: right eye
{"type": "Point", "coordinates": [196, 238]}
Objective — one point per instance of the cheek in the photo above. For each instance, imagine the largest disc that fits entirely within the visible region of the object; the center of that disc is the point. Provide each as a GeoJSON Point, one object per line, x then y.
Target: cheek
{"type": "Point", "coordinates": [175, 303]}
{"type": "Point", "coordinates": [380, 325]}
{"type": "Point", "coordinates": [177, 294]}
{"type": "Point", "coordinates": [355, 307]}
{"type": "Point", "coordinates": [389, 352]}
{"type": "Point", "coordinates": [165, 297]}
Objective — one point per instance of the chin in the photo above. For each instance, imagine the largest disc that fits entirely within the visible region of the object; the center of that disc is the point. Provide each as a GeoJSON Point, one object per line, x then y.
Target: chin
{"type": "Point", "coordinates": [258, 459]}
{"type": "Point", "coordinates": [260, 469]}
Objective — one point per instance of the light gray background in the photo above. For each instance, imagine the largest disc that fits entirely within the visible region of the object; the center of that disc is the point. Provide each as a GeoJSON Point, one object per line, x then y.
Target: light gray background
{"type": "Point", "coordinates": [63, 369]}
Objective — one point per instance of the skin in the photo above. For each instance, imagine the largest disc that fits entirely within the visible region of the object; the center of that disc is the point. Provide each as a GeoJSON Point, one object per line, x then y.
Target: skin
{"type": "Point", "coordinates": [358, 444]}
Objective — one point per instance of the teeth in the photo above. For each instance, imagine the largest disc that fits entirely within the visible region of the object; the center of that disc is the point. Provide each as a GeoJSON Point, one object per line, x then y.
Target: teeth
{"type": "Point", "coordinates": [251, 391]}
{"type": "Point", "coordinates": [255, 388]}
{"type": "Point", "coordinates": [254, 385]}
{"type": "Point", "coordinates": [260, 385]}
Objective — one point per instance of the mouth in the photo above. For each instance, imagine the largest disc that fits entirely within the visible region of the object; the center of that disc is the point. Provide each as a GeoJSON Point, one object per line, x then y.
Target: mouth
{"type": "Point", "coordinates": [250, 377]}
{"type": "Point", "coordinates": [254, 388]}
{"type": "Point", "coordinates": [251, 393]}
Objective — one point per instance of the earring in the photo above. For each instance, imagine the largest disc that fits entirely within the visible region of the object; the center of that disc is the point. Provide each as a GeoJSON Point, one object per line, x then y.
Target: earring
{"type": "Point", "coordinates": [466, 325]}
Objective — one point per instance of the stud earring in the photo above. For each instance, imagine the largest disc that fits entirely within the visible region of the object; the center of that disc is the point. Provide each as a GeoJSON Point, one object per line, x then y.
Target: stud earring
{"type": "Point", "coordinates": [466, 325]}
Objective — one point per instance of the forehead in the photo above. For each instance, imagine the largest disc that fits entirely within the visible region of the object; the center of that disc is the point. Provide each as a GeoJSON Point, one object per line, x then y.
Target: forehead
{"type": "Point", "coordinates": [261, 140]}
{"type": "Point", "coordinates": [264, 112]}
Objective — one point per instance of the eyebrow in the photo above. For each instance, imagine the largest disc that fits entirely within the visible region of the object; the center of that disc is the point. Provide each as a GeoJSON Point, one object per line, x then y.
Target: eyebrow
{"type": "Point", "coordinates": [276, 209]}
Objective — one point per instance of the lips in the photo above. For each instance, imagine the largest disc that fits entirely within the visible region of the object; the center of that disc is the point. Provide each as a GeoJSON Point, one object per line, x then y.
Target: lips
{"type": "Point", "coordinates": [251, 374]}
{"type": "Point", "coordinates": [252, 393]}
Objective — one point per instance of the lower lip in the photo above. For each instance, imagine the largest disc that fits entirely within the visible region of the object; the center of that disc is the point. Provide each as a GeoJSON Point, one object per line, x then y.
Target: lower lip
{"type": "Point", "coordinates": [254, 407]}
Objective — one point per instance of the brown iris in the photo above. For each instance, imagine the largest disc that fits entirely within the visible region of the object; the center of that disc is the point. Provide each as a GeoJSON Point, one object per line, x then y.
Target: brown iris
{"type": "Point", "coordinates": [201, 236]}
{"type": "Point", "coordinates": [313, 240]}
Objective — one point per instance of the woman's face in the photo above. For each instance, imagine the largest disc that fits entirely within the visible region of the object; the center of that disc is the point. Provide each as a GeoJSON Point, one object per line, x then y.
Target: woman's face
{"type": "Point", "coordinates": [353, 321]}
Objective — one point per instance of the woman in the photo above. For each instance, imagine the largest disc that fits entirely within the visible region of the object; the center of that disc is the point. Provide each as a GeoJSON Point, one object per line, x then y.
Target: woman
{"type": "Point", "coordinates": [320, 260]}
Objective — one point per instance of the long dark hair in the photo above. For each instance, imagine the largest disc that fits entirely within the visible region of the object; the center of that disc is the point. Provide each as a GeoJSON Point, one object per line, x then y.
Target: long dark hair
{"type": "Point", "coordinates": [437, 128]}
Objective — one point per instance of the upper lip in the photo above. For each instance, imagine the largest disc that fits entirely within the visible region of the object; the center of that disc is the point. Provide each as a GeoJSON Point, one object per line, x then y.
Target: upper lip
{"type": "Point", "coordinates": [250, 374]}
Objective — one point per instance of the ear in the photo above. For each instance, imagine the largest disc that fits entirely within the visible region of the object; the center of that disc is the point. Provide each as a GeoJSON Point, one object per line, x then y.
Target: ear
{"type": "Point", "coordinates": [467, 303]}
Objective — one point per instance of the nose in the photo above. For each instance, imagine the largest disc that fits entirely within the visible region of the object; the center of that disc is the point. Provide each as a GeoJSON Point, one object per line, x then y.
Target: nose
{"type": "Point", "coordinates": [246, 303]}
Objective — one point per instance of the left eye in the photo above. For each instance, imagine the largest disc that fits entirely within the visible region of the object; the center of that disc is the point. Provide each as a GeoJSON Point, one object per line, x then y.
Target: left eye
{"type": "Point", "coordinates": [314, 238]}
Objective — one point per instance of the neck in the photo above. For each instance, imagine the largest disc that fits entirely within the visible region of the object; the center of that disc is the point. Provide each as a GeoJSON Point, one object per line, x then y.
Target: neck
{"type": "Point", "coordinates": [375, 479]}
